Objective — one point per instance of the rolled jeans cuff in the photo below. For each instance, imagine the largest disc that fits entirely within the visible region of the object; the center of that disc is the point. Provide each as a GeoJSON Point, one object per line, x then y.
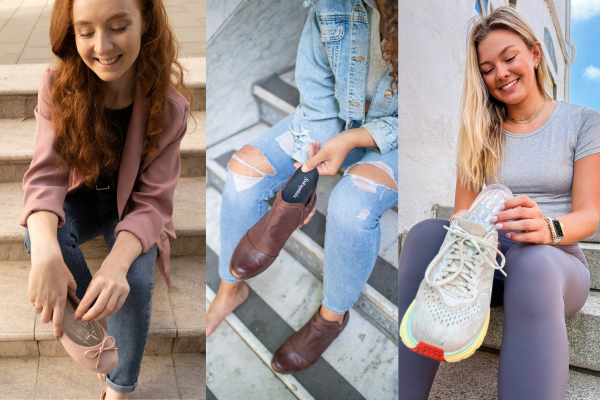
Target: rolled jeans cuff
{"type": "Point", "coordinates": [119, 388]}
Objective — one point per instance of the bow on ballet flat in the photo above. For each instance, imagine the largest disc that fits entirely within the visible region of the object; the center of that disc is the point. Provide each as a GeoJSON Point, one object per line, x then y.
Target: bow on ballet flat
{"type": "Point", "coordinates": [98, 352]}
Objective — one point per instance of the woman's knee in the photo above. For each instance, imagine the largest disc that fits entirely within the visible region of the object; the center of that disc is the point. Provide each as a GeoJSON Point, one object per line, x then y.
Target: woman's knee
{"type": "Point", "coordinates": [141, 279]}
{"type": "Point", "coordinates": [426, 229]}
{"type": "Point", "coordinates": [530, 262]}
{"type": "Point", "coordinates": [252, 160]}
{"type": "Point", "coordinates": [366, 176]}
{"type": "Point", "coordinates": [248, 167]}
{"type": "Point", "coordinates": [534, 281]}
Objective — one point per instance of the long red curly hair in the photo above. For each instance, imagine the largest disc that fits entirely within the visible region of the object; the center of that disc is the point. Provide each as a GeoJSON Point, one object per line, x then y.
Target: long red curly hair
{"type": "Point", "coordinates": [83, 139]}
{"type": "Point", "coordinates": [390, 29]}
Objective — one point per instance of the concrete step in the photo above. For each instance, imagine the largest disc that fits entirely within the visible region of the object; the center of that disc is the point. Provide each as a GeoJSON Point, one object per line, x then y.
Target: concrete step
{"type": "Point", "coordinates": [590, 247]}
{"type": "Point", "coordinates": [19, 85]}
{"type": "Point", "coordinates": [17, 138]}
{"type": "Point", "coordinates": [177, 324]}
{"type": "Point", "coordinates": [277, 96]}
{"type": "Point", "coordinates": [379, 297]}
{"type": "Point", "coordinates": [583, 330]}
{"type": "Point", "coordinates": [189, 216]}
{"type": "Point", "coordinates": [173, 376]}
{"type": "Point", "coordinates": [237, 354]}
{"type": "Point", "coordinates": [476, 378]}
{"type": "Point", "coordinates": [361, 363]}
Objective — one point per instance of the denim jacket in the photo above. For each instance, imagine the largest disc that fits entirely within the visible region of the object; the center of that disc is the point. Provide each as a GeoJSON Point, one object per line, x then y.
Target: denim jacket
{"type": "Point", "coordinates": [331, 75]}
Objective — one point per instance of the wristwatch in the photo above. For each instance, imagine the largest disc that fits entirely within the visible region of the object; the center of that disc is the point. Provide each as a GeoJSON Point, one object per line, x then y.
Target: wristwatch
{"type": "Point", "coordinates": [557, 230]}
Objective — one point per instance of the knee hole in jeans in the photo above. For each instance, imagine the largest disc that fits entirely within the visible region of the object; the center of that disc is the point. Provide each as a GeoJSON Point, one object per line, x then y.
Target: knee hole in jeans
{"type": "Point", "coordinates": [249, 166]}
{"type": "Point", "coordinates": [366, 176]}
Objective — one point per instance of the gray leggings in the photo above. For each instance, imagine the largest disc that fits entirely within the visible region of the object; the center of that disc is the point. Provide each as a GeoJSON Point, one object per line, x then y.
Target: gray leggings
{"type": "Point", "coordinates": [544, 285]}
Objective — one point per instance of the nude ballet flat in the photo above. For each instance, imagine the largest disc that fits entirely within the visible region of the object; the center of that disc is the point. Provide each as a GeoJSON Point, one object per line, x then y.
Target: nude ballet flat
{"type": "Point", "coordinates": [88, 343]}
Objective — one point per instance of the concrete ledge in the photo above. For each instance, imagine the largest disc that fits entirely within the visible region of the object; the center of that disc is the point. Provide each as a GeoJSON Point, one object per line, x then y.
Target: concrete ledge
{"type": "Point", "coordinates": [17, 138]}
{"type": "Point", "coordinates": [476, 378]}
{"type": "Point", "coordinates": [19, 85]}
{"type": "Point", "coordinates": [177, 324]}
{"type": "Point", "coordinates": [583, 330]}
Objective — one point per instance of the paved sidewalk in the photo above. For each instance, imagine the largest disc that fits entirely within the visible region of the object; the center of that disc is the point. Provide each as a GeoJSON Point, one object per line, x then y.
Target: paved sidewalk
{"type": "Point", "coordinates": [24, 26]}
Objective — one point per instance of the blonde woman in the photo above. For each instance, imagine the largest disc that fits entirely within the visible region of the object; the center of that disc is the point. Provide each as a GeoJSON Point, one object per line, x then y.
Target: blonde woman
{"type": "Point", "coordinates": [548, 154]}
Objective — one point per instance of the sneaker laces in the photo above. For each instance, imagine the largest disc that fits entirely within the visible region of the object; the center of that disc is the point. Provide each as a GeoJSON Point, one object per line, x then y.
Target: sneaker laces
{"type": "Point", "coordinates": [458, 276]}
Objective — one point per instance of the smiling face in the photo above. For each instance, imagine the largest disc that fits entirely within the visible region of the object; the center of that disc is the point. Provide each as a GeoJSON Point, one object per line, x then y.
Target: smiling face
{"type": "Point", "coordinates": [108, 36]}
{"type": "Point", "coordinates": [507, 66]}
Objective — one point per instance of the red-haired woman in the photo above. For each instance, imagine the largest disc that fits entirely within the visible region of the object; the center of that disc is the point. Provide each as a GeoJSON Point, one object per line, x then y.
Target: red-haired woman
{"type": "Point", "coordinates": [106, 161]}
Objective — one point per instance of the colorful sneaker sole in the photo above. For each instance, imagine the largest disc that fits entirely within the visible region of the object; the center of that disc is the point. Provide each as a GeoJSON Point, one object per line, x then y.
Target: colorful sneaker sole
{"type": "Point", "coordinates": [437, 353]}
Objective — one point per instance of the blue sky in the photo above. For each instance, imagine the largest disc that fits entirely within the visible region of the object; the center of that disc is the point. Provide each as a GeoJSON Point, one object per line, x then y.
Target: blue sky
{"type": "Point", "coordinates": [585, 72]}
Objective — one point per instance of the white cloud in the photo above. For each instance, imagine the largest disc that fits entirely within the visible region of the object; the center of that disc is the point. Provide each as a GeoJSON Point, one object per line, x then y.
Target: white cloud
{"type": "Point", "coordinates": [582, 10]}
{"type": "Point", "coordinates": [592, 73]}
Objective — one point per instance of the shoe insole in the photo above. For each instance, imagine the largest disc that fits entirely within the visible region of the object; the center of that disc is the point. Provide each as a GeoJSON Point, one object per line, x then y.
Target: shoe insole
{"type": "Point", "coordinates": [300, 186]}
{"type": "Point", "coordinates": [82, 333]}
{"type": "Point", "coordinates": [487, 204]}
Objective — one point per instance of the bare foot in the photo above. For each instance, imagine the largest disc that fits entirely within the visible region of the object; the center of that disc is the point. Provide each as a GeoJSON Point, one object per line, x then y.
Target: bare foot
{"type": "Point", "coordinates": [229, 297]}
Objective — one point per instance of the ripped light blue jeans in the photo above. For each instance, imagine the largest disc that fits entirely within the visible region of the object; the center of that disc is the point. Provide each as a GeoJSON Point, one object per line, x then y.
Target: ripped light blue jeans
{"type": "Point", "coordinates": [356, 204]}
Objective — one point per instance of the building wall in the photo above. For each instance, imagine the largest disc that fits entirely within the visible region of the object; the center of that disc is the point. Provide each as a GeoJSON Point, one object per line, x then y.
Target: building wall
{"type": "Point", "coordinates": [259, 38]}
{"type": "Point", "coordinates": [431, 64]}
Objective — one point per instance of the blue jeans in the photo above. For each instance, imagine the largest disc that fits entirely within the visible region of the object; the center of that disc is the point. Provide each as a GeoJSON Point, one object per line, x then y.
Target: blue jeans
{"type": "Point", "coordinates": [352, 234]}
{"type": "Point", "coordinates": [88, 214]}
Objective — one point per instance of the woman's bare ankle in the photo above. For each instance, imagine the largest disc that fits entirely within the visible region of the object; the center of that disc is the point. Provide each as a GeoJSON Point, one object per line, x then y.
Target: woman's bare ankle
{"type": "Point", "coordinates": [229, 297]}
{"type": "Point", "coordinates": [112, 395]}
{"type": "Point", "coordinates": [331, 316]}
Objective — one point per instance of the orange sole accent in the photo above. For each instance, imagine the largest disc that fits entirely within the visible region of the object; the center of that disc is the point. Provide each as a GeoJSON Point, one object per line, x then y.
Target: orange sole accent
{"type": "Point", "coordinates": [430, 351]}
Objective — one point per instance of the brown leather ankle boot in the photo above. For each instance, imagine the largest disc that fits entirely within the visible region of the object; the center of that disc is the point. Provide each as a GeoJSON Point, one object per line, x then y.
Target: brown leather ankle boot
{"type": "Point", "coordinates": [303, 348]}
{"type": "Point", "coordinates": [261, 245]}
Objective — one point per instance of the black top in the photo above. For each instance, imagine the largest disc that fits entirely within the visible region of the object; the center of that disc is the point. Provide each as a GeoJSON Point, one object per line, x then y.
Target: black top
{"type": "Point", "coordinates": [118, 122]}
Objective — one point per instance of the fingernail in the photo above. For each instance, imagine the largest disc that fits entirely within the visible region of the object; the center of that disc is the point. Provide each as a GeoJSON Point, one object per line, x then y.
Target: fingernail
{"type": "Point", "coordinates": [75, 318]}
{"type": "Point", "coordinates": [494, 219]}
{"type": "Point", "coordinates": [56, 337]}
{"type": "Point", "coordinates": [501, 207]}
{"type": "Point", "coordinates": [498, 226]}
{"type": "Point", "coordinates": [508, 235]}
{"type": "Point", "coordinates": [304, 168]}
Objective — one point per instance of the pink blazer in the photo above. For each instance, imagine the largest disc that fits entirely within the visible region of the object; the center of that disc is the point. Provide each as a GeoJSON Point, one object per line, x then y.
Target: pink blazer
{"type": "Point", "coordinates": [145, 190]}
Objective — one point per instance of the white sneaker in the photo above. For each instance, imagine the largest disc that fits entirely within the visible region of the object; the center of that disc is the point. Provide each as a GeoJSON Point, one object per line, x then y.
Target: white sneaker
{"type": "Point", "coordinates": [448, 319]}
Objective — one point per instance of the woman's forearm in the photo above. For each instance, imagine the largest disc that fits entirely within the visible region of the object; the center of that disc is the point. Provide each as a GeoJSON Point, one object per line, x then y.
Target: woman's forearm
{"type": "Point", "coordinates": [359, 137]}
{"type": "Point", "coordinates": [578, 225]}
{"type": "Point", "coordinates": [42, 226]}
{"type": "Point", "coordinates": [463, 197]}
{"type": "Point", "coordinates": [126, 249]}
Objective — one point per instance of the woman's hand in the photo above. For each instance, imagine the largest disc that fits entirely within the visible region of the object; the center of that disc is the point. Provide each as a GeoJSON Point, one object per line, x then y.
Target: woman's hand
{"type": "Point", "coordinates": [312, 149]}
{"type": "Point", "coordinates": [110, 284]}
{"type": "Point", "coordinates": [329, 158]}
{"type": "Point", "coordinates": [49, 281]}
{"type": "Point", "coordinates": [526, 217]}
{"type": "Point", "coordinates": [49, 278]}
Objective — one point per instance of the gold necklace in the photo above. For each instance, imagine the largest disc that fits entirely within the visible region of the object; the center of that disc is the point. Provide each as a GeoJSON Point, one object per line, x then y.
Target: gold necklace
{"type": "Point", "coordinates": [530, 117]}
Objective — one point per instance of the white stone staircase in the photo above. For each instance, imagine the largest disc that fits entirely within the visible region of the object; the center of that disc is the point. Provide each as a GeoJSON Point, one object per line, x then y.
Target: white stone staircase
{"type": "Point", "coordinates": [362, 362]}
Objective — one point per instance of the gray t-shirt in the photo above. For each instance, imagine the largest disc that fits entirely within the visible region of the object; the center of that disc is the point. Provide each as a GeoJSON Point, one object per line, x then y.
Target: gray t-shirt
{"type": "Point", "coordinates": [539, 164]}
